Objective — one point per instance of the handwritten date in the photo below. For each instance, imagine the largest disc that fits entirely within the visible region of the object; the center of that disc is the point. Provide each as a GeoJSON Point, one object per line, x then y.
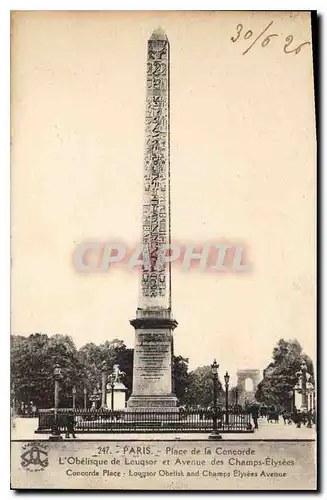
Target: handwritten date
{"type": "Point", "coordinates": [247, 35]}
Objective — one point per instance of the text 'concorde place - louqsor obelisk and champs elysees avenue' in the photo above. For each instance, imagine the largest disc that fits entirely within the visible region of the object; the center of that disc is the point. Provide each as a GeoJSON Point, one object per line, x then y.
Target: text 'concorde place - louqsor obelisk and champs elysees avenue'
{"type": "Point", "coordinates": [154, 324]}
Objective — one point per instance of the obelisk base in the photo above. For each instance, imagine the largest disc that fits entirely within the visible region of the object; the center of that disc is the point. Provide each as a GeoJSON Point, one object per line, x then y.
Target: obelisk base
{"type": "Point", "coordinates": [153, 362]}
{"type": "Point", "coordinates": [152, 403]}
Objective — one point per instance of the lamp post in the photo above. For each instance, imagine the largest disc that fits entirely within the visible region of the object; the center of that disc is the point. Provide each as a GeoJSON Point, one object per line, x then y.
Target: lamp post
{"type": "Point", "coordinates": [185, 395]}
{"type": "Point", "coordinates": [236, 396]}
{"type": "Point", "coordinates": [310, 390]}
{"type": "Point", "coordinates": [85, 398]}
{"type": "Point", "coordinates": [95, 397]}
{"type": "Point", "coordinates": [13, 403]}
{"type": "Point", "coordinates": [297, 390]}
{"type": "Point", "coordinates": [13, 399]}
{"type": "Point", "coordinates": [55, 435]}
{"type": "Point", "coordinates": [74, 397]}
{"type": "Point", "coordinates": [111, 380]}
{"type": "Point", "coordinates": [226, 378]}
{"type": "Point", "coordinates": [291, 401]}
{"type": "Point", "coordinates": [104, 385]}
{"type": "Point", "coordinates": [303, 378]}
{"type": "Point", "coordinates": [214, 370]}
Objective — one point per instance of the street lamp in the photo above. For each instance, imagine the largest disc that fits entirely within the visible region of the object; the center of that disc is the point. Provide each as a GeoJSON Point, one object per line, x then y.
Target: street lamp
{"type": "Point", "coordinates": [55, 435]}
{"type": "Point", "coordinates": [104, 385]}
{"type": "Point", "coordinates": [303, 377]}
{"type": "Point", "coordinates": [85, 397]}
{"type": "Point", "coordinates": [297, 389]}
{"type": "Point", "coordinates": [112, 380]}
{"type": "Point", "coordinates": [13, 399]}
{"type": "Point", "coordinates": [13, 403]}
{"type": "Point", "coordinates": [95, 397]}
{"type": "Point", "coordinates": [74, 397]}
{"type": "Point", "coordinates": [310, 392]}
{"type": "Point", "coordinates": [214, 370]}
{"type": "Point", "coordinates": [226, 378]}
{"type": "Point", "coordinates": [57, 370]}
{"type": "Point", "coordinates": [185, 395]}
{"type": "Point", "coordinates": [236, 397]}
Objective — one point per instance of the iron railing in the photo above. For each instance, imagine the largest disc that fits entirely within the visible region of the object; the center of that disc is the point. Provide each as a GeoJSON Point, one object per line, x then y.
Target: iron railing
{"type": "Point", "coordinates": [98, 421]}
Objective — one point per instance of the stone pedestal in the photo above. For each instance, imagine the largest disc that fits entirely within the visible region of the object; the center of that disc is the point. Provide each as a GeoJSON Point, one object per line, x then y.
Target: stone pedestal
{"type": "Point", "coordinates": [153, 361]}
{"type": "Point", "coordinates": [119, 396]}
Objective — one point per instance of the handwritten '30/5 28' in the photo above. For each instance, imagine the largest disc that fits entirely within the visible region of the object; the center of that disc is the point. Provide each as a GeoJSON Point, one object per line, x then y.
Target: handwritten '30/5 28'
{"type": "Point", "coordinates": [249, 34]}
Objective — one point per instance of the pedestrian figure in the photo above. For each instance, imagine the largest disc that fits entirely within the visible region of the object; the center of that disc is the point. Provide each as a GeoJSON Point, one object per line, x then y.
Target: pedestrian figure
{"type": "Point", "coordinates": [297, 418]}
{"type": "Point", "coordinates": [273, 416]}
{"type": "Point", "coordinates": [255, 415]}
{"type": "Point", "coordinates": [309, 418]}
{"type": "Point", "coordinates": [286, 417]}
{"type": "Point", "coordinates": [70, 425]}
{"type": "Point", "coordinates": [313, 414]}
{"type": "Point", "coordinates": [264, 411]}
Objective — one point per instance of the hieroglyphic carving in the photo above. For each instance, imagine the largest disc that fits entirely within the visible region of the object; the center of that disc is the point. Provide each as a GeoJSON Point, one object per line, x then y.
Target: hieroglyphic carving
{"type": "Point", "coordinates": [155, 202]}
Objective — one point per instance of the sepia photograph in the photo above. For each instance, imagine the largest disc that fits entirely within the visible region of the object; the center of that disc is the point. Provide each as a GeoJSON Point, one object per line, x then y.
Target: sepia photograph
{"type": "Point", "coordinates": [163, 251]}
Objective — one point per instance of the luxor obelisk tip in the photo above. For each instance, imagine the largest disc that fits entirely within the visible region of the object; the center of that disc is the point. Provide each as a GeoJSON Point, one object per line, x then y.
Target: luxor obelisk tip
{"type": "Point", "coordinates": [159, 34]}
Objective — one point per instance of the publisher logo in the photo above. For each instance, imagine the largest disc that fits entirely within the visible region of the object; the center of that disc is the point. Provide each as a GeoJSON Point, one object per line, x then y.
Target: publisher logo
{"type": "Point", "coordinates": [34, 457]}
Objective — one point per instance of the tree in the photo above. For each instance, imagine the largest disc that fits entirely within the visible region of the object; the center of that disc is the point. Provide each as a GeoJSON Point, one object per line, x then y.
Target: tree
{"type": "Point", "coordinates": [93, 356]}
{"type": "Point", "coordinates": [27, 369]}
{"type": "Point", "coordinates": [200, 388]}
{"type": "Point", "coordinates": [233, 395]}
{"type": "Point", "coordinates": [33, 360]}
{"type": "Point", "coordinates": [180, 377]}
{"type": "Point", "coordinates": [279, 378]}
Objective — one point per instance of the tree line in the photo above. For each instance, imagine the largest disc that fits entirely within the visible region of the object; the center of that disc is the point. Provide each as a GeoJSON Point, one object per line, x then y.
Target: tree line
{"type": "Point", "coordinates": [280, 376]}
{"type": "Point", "coordinates": [33, 359]}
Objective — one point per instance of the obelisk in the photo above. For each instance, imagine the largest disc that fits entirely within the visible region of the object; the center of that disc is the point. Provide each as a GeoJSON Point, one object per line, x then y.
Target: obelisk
{"type": "Point", "coordinates": [154, 324]}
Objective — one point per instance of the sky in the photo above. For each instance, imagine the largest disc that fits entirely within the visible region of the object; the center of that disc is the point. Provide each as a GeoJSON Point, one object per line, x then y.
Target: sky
{"type": "Point", "coordinates": [243, 170]}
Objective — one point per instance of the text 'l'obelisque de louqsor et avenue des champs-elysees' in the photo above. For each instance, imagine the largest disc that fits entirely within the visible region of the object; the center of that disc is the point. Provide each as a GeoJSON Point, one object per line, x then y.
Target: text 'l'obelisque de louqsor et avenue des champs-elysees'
{"type": "Point", "coordinates": [154, 324]}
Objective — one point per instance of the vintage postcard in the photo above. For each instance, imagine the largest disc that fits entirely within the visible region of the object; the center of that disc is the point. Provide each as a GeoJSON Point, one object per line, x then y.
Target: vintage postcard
{"type": "Point", "coordinates": [163, 228]}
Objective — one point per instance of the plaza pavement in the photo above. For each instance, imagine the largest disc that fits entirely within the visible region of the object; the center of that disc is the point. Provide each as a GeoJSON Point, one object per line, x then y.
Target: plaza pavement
{"type": "Point", "coordinates": [23, 429]}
